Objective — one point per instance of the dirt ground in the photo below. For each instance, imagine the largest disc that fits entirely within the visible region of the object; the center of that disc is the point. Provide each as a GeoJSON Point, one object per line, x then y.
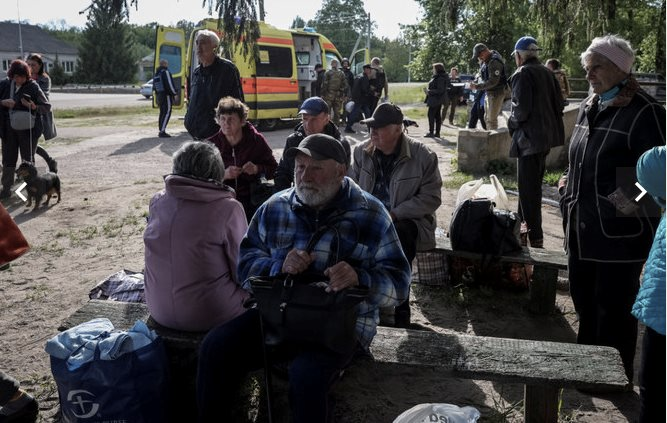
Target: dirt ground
{"type": "Point", "coordinates": [108, 175]}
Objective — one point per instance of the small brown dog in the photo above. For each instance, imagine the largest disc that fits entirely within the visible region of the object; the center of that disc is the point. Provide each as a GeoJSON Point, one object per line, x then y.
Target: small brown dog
{"type": "Point", "coordinates": [38, 185]}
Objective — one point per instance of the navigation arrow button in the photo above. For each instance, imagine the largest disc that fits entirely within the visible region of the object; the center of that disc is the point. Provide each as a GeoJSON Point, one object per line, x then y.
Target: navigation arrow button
{"type": "Point", "coordinates": [643, 191]}
{"type": "Point", "coordinates": [18, 191]}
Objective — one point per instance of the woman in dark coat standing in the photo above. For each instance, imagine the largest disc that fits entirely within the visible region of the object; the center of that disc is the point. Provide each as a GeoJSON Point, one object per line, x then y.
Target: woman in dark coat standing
{"type": "Point", "coordinates": [435, 97]}
{"type": "Point", "coordinates": [19, 93]}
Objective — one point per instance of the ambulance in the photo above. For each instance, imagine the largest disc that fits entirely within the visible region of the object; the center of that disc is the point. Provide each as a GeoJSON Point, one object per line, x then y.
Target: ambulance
{"type": "Point", "coordinates": [274, 84]}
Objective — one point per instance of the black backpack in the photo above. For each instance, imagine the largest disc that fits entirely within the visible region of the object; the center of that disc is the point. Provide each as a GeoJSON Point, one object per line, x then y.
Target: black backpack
{"type": "Point", "coordinates": [477, 227]}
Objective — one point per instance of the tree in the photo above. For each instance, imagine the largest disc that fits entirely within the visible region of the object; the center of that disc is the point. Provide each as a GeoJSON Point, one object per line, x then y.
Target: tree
{"type": "Point", "coordinates": [57, 73]}
{"type": "Point", "coordinates": [106, 51]}
{"type": "Point", "coordinates": [341, 21]}
{"type": "Point", "coordinates": [298, 22]}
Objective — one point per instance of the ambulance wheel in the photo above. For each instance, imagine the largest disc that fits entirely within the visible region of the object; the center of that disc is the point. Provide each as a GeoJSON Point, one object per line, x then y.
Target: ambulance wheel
{"type": "Point", "coordinates": [268, 124]}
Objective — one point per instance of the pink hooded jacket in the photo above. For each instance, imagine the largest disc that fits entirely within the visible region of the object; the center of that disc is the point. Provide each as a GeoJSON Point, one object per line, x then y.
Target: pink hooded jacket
{"type": "Point", "coordinates": [191, 251]}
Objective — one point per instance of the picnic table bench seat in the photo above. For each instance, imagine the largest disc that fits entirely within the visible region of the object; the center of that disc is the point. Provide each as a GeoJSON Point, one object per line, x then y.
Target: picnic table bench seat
{"type": "Point", "coordinates": [543, 367]}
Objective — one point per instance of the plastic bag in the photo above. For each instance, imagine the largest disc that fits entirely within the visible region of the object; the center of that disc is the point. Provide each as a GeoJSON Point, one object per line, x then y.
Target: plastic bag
{"type": "Point", "coordinates": [478, 189]}
{"type": "Point", "coordinates": [440, 413]}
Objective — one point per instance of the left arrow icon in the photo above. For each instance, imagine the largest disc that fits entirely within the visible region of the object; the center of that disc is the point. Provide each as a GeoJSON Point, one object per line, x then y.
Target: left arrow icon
{"type": "Point", "coordinates": [642, 193]}
{"type": "Point", "coordinates": [18, 191]}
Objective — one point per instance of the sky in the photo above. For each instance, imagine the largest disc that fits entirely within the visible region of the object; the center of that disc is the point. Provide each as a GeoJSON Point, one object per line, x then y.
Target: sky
{"type": "Point", "coordinates": [280, 13]}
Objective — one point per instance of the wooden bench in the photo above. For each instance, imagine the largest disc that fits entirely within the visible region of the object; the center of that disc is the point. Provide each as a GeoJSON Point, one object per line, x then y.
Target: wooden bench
{"type": "Point", "coordinates": [546, 264]}
{"type": "Point", "coordinates": [543, 367]}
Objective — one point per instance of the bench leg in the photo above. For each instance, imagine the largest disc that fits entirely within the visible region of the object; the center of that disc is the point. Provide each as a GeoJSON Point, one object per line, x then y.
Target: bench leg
{"type": "Point", "coordinates": [543, 289]}
{"type": "Point", "coordinates": [540, 404]}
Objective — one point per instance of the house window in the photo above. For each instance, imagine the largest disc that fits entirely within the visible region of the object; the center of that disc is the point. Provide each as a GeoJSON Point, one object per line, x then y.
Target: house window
{"type": "Point", "coordinates": [69, 66]}
{"type": "Point", "coordinates": [5, 64]}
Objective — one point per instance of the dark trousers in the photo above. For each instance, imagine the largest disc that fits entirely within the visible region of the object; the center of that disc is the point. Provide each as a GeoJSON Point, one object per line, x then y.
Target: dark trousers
{"type": "Point", "coordinates": [652, 378]}
{"type": "Point", "coordinates": [450, 103]}
{"type": "Point", "coordinates": [530, 172]}
{"type": "Point", "coordinates": [165, 103]}
{"type": "Point", "coordinates": [477, 113]}
{"type": "Point", "coordinates": [434, 119]}
{"type": "Point", "coordinates": [603, 294]}
{"type": "Point", "coordinates": [14, 142]}
{"type": "Point", "coordinates": [356, 111]}
{"type": "Point", "coordinates": [230, 351]}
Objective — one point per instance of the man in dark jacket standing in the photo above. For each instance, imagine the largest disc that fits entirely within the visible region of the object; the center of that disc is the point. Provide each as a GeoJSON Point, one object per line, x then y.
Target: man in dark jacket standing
{"type": "Point", "coordinates": [362, 97]}
{"type": "Point", "coordinates": [213, 79]}
{"type": "Point", "coordinates": [165, 90]}
{"type": "Point", "coordinates": [494, 82]}
{"type": "Point", "coordinates": [536, 125]}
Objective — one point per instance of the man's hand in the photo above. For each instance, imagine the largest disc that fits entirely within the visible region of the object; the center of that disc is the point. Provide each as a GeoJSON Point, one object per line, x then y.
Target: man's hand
{"type": "Point", "coordinates": [341, 275]}
{"type": "Point", "coordinates": [297, 261]}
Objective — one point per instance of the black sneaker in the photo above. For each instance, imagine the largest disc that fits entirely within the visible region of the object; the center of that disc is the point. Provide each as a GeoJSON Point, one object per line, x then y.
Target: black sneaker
{"type": "Point", "coordinates": [429, 135]}
{"type": "Point", "coordinates": [350, 131]}
{"type": "Point", "coordinates": [27, 414]}
{"type": "Point", "coordinates": [5, 193]}
{"type": "Point", "coordinates": [163, 135]}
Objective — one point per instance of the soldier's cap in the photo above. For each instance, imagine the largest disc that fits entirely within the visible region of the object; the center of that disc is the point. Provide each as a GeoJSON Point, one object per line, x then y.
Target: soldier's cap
{"type": "Point", "coordinates": [526, 43]}
{"type": "Point", "coordinates": [479, 47]}
{"type": "Point", "coordinates": [319, 147]}
{"type": "Point", "coordinates": [385, 114]}
{"type": "Point", "coordinates": [314, 106]}
{"type": "Point", "coordinates": [368, 66]}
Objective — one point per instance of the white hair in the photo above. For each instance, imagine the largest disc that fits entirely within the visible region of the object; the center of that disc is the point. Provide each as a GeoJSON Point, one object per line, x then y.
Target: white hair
{"type": "Point", "coordinates": [207, 33]}
{"type": "Point", "coordinates": [616, 49]}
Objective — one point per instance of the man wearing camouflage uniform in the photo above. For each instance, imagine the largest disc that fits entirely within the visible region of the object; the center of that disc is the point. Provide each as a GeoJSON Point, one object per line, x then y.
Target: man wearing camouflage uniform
{"type": "Point", "coordinates": [334, 90]}
{"type": "Point", "coordinates": [494, 82]}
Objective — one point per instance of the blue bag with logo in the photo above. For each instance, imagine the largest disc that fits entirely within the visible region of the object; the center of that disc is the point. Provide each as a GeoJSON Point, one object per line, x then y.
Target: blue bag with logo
{"type": "Point", "coordinates": [106, 375]}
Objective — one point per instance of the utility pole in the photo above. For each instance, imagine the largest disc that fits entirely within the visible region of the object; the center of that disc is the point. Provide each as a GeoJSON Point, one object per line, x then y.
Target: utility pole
{"type": "Point", "coordinates": [18, 13]}
{"type": "Point", "coordinates": [261, 10]}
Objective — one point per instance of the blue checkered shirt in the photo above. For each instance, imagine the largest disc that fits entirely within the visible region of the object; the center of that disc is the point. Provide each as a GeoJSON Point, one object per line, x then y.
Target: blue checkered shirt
{"type": "Point", "coordinates": [367, 241]}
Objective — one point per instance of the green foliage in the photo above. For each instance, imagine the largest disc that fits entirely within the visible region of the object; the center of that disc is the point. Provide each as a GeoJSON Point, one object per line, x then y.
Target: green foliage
{"type": "Point", "coordinates": [500, 168]}
{"type": "Point", "coordinates": [73, 35]}
{"type": "Point", "coordinates": [341, 21]}
{"type": "Point", "coordinates": [57, 73]}
{"type": "Point", "coordinates": [298, 23]}
{"type": "Point", "coordinates": [564, 28]}
{"type": "Point", "coordinates": [237, 19]}
{"type": "Point", "coordinates": [106, 53]}
{"type": "Point", "coordinates": [551, 177]}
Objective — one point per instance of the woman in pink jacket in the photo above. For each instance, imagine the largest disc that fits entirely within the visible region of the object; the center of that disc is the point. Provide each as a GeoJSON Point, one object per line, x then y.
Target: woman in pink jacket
{"type": "Point", "coordinates": [192, 239]}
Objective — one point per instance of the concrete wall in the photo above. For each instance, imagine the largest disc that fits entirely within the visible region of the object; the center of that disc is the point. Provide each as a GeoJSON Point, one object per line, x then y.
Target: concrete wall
{"type": "Point", "coordinates": [476, 148]}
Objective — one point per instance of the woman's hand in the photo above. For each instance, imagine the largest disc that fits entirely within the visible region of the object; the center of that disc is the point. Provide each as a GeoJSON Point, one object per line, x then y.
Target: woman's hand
{"type": "Point", "coordinates": [233, 172]}
{"type": "Point", "coordinates": [250, 168]}
{"type": "Point", "coordinates": [8, 103]}
{"type": "Point", "coordinates": [29, 104]}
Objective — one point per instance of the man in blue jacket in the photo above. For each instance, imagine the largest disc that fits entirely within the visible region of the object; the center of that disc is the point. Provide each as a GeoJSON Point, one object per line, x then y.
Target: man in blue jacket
{"type": "Point", "coordinates": [165, 91]}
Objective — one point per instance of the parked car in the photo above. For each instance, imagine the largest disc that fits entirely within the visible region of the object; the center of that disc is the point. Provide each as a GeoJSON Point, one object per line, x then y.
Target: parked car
{"type": "Point", "coordinates": [147, 89]}
{"type": "Point", "coordinates": [657, 86]}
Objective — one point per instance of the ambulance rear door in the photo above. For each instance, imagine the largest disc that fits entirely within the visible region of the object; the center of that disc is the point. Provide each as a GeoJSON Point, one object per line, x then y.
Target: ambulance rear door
{"type": "Point", "coordinates": [170, 45]}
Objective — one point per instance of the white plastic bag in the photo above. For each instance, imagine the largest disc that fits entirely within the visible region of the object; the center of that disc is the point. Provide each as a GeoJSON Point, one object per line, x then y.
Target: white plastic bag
{"type": "Point", "coordinates": [440, 413]}
{"type": "Point", "coordinates": [478, 189]}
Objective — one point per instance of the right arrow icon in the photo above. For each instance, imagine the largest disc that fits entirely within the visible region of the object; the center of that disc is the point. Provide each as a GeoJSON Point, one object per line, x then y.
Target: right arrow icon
{"type": "Point", "coordinates": [643, 191]}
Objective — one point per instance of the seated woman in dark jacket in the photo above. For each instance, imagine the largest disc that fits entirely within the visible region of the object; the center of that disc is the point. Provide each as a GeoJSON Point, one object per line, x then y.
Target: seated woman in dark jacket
{"type": "Point", "coordinates": [246, 153]}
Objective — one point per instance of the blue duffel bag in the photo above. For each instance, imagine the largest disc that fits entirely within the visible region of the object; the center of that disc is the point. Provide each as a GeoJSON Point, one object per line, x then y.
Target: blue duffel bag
{"type": "Point", "coordinates": [107, 375]}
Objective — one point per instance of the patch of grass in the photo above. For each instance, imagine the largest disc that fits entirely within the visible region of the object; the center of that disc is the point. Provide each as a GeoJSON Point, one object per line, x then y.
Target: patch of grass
{"type": "Point", "coordinates": [53, 248]}
{"type": "Point", "coordinates": [102, 111]}
{"type": "Point", "coordinates": [504, 411]}
{"type": "Point", "coordinates": [551, 177]}
{"type": "Point", "coordinates": [411, 94]}
{"type": "Point", "coordinates": [126, 226]}
{"type": "Point", "coordinates": [456, 179]}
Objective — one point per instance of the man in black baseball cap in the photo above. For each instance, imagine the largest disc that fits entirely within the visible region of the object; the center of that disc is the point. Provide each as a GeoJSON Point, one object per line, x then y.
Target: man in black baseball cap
{"type": "Point", "coordinates": [319, 147]}
{"type": "Point", "coordinates": [379, 163]}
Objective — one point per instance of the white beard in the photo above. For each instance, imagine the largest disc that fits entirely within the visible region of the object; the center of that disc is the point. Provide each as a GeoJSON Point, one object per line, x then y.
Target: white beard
{"type": "Point", "coordinates": [315, 196]}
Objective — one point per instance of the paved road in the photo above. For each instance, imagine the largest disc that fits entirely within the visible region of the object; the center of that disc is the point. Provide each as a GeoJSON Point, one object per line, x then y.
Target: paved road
{"type": "Point", "coordinates": [80, 101]}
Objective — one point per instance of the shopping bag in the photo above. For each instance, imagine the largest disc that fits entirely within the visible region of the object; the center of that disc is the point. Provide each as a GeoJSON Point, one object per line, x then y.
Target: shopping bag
{"type": "Point", "coordinates": [450, 413]}
{"type": "Point", "coordinates": [104, 375]}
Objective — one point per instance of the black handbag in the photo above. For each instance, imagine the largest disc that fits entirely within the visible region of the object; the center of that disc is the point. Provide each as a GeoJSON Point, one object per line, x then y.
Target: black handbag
{"type": "Point", "coordinates": [296, 309]}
